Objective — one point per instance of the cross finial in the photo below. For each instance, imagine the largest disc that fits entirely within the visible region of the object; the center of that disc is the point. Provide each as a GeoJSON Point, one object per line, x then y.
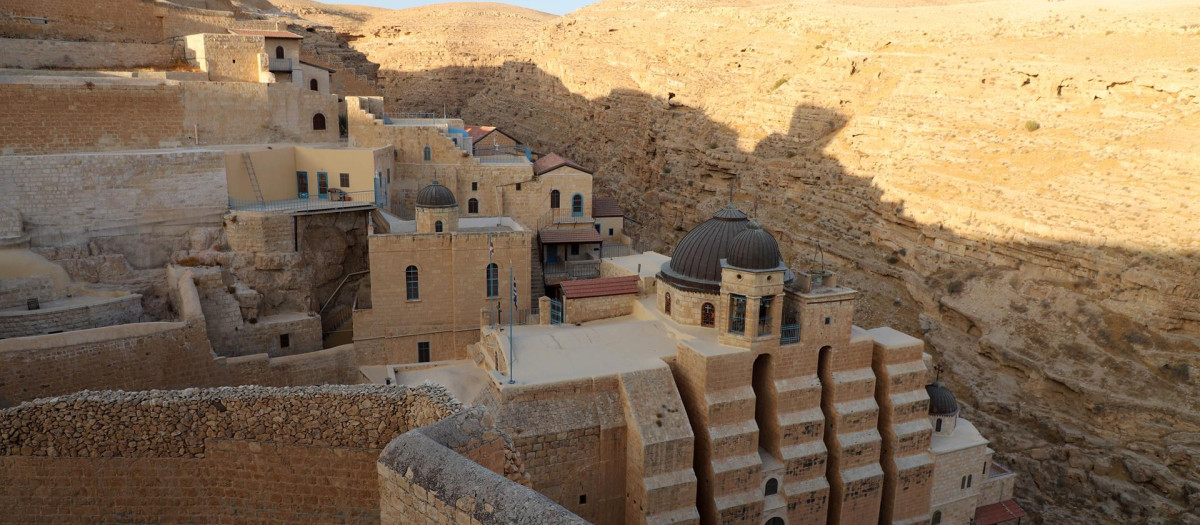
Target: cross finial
{"type": "Point", "coordinates": [937, 369]}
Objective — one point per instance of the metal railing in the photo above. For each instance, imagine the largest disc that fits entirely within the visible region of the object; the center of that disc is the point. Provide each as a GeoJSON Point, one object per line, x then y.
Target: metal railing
{"type": "Point", "coordinates": [280, 65]}
{"type": "Point", "coordinates": [572, 269]}
{"type": "Point", "coordinates": [523, 316]}
{"type": "Point", "coordinates": [314, 202]}
{"type": "Point", "coordinates": [789, 334]}
{"type": "Point", "coordinates": [501, 159]}
{"type": "Point", "coordinates": [614, 250]}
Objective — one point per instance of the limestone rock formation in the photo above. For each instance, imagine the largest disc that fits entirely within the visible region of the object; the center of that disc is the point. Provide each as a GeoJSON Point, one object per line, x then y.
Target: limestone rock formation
{"type": "Point", "coordinates": [1015, 178]}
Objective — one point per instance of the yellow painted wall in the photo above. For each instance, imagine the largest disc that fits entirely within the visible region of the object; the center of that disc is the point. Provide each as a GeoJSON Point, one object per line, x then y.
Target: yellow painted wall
{"type": "Point", "coordinates": [276, 170]}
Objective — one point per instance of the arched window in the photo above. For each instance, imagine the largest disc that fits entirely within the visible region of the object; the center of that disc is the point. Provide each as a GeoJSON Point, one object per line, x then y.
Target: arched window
{"type": "Point", "coordinates": [318, 122]}
{"type": "Point", "coordinates": [473, 206]}
{"type": "Point", "coordinates": [428, 154]}
{"type": "Point", "coordinates": [775, 521]}
{"type": "Point", "coordinates": [554, 200]}
{"type": "Point", "coordinates": [962, 485]}
{"type": "Point", "coordinates": [772, 487]}
{"type": "Point", "coordinates": [437, 227]}
{"type": "Point", "coordinates": [493, 280]}
{"type": "Point", "coordinates": [411, 287]}
{"type": "Point", "coordinates": [708, 315]}
{"type": "Point", "coordinates": [667, 303]}
{"type": "Point", "coordinates": [937, 425]}
{"type": "Point", "coordinates": [937, 517]}
{"type": "Point", "coordinates": [312, 84]}
{"type": "Point", "coordinates": [970, 478]}
{"type": "Point", "coordinates": [577, 205]}
{"type": "Point", "coordinates": [278, 51]}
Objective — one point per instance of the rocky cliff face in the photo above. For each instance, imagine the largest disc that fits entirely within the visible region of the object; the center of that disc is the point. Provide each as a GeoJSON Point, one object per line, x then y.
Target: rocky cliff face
{"type": "Point", "coordinates": [1014, 180]}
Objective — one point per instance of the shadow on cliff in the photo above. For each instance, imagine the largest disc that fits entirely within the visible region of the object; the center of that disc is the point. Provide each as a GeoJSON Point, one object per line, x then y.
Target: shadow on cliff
{"type": "Point", "coordinates": [671, 166]}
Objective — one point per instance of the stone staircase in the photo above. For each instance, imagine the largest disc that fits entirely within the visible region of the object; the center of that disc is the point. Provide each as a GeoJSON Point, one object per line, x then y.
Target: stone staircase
{"type": "Point", "coordinates": [537, 280]}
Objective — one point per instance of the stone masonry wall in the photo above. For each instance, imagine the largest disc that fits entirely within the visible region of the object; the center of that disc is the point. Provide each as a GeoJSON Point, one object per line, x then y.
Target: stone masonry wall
{"type": "Point", "coordinates": [154, 197]}
{"type": "Point", "coordinates": [60, 54]}
{"type": "Point", "coordinates": [455, 472]}
{"type": "Point", "coordinates": [249, 454]}
{"type": "Point", "coordinates": [116, 311]}
{"type": "Point", "coordinates": [16, 291]}
{"type": "Point", "coordinates": [116, 21]}
{"type": "Point", "coordinates": [592, 308]}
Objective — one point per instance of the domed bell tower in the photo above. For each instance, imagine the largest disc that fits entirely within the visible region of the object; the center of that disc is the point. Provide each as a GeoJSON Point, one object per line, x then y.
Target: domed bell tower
{"type": "Point", "coordinates": [437, 209]}
{"type": "Point", "coordinates": [752, 280]}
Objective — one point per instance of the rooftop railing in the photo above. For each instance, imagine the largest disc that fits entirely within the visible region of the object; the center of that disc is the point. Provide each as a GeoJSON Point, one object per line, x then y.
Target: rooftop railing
{"type": "Point", "coordinates": [280, 65]}
{"type": "Point", "coordinates": [564, 271]}
{"type": "Point", "coordinates": [502, 159]}
{"type": "Point", "coordinates": [347, 199]}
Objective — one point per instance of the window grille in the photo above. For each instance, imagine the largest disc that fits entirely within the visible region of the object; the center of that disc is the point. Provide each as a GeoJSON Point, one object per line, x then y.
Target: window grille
{"type": "Point", "coordinates": [411, 285]}
{"type": "Point", "coordinates": [737, 314]}
{"type": "Point", "coordinates": [764, 315]}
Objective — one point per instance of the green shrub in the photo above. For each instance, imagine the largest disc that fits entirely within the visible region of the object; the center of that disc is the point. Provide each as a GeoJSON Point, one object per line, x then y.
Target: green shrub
{"type": "Point", "coordinates": [780, 82]}
{"type": "Point", "coordinates": [955, 287]}
{"type": "Point", "coordinates": [1031, 125]}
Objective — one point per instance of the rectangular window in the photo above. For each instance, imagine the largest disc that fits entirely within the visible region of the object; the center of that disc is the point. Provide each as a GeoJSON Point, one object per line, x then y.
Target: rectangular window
{"type": "Point", "coordinates": [828, 320]}
{"type": "Point", "coordinates": [423, 352]}
{"type": "Point", "coordinates": [574, 249]}
{"type": "Point", "coordinates": [345, 179]}
{"type": "Point", "coordinates": [474, 186]}
{"type": "Point", "coordinates": [389, 172]}
{"type": "Point", "coordinates": [610, 232]}
{"type": "Point", "coordinates": [518, 186]}
{"type": "Point", "coordinates": [322, 183]}
{"type": "Point", "coordinates": [764, 315]}
{"type": "Point", "coordinates": [284, 341]}
{"type": "Point", "coordinates": [302, 183]}
{"type": "Point", "coordinates": [737, 314]}
{"type": "Point", "coordinates": [597, 228]}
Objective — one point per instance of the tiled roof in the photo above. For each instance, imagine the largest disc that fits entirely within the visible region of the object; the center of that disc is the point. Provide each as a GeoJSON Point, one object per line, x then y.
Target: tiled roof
{"type": "Point", "coordinates": [266, 34]}
{"type": "Point", "coordinates": [584, 288]}
{"type": "Point", "coordinates": [478, 132]}
{"type": "Point", "coordinates": [606, 207]}
{"type": "Point", "coordinates": [571, 236]}
{"type": "Point", "coordinates": [996, 512]}
{"type": "Point", "coordinates": [554, 161]}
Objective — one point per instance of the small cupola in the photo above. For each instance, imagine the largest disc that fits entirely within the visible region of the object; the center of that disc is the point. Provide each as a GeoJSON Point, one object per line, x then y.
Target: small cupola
{"type": "Point", "coordinates": [943, 408]}
{"type": "Point", "coordinates": [437, 209]}
{"type": "Point", "coordinates": [753, 249]}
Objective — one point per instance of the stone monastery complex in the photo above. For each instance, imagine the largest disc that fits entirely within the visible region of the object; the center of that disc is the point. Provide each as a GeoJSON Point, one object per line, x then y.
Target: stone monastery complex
{"type": "Point", "coordinates": [235, 288]}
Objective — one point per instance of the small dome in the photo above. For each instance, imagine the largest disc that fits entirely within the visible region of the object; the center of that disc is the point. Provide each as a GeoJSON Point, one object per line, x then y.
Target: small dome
{"type": "Point", "coordinates": [436, 196]}
{"type": "Point", "coordinates": [696, 263]}
{"type": "Point", "coordinates": [753, 249]}
{"type": "Point", "coordinates": [941, 400]}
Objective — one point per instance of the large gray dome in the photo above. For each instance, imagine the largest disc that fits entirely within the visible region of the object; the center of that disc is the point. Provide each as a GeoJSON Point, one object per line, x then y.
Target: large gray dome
{"type": "Point", "coordinates": [436, 196]}
{"type": "Point", "coordinates": [696, 263]}
{"type": "Point", "coordinates": [941, 400]}
{"type": "Point", "coordinates": [753, 249]}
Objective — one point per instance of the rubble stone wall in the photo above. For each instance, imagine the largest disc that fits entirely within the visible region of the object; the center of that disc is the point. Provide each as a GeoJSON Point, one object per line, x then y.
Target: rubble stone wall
{"type": "Point", "coordinates": [115, 311]}
{"type": "Point", "coordinates": [27, 53]}
{"type": "Point", "coordinates": [247, 453]}
{"type": "Point", "coordinates": [116, 21]}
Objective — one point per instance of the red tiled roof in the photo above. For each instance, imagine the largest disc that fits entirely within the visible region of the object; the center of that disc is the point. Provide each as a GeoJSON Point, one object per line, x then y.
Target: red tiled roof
{"type": "Point", "coordinates": [265, 34]}
{"type": "Point", "coordinates": [478, 132]}
{"type": "Point", "coordinates": [554, 161]}
{"type": "Point", "coordinates": [996, 512]}
{"type": "Point", "coordinates": [606, 207]}
{"type": "Point", "coordinates": [571, 236]}
{"type": "Point", "coordinates": [600, 287]}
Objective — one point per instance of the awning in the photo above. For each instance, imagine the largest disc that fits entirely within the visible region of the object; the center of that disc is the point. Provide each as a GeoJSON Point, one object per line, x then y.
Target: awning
{"type": "Point", "coordinates": [584, 288]}
{"type": "Point", "coordinates": [571, 236]}
{"type": "Point", "coordinates": [998, 513]}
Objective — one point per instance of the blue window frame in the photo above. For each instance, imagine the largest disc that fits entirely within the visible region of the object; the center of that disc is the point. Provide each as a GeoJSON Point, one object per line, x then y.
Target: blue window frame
{"type": "Point", "coordinates": [493, 280]}
{"type": "Point", "coordinates": [412, 286]}
{"type": "Point", "coordinates": [737, 314]}
{"type": "Point", "coordinates": [577, 205]}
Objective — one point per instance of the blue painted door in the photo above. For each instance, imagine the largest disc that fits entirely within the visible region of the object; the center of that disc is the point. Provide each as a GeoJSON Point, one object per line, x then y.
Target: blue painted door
{"type": "Point", "coordinates": [322, 185]}
{"type": "Point", "coordinates": [301, 184]}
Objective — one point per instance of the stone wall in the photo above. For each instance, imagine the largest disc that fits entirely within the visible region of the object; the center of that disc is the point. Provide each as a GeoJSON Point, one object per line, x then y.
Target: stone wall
{"type": "Point", "coordinates": [17, 291]}
{"type": "Point", "coordinates": [40, 116]}
{"type": "Point", "coordinates": [109, 312]}
{"type": "Point", "coordinates": [150, 199]}
{"type": "Point", "coordinates": [228, 58]}
{"type": "Point", "coordinates": [455, 472]}
{"type": "Point", "coordinates": [592, 308]}
{"type": "Point", "coordinates": [60, 54]}
{"type": "Point", "coordinates": [115, 21]}
{"type": "Point", "coordinates": [245, 454]}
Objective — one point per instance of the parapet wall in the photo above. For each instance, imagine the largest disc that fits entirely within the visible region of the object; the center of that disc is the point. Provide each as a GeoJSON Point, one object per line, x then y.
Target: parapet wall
{"type": "Point", "coordinates": [455, 472]}
{"type": "Point", "coordinates": [27, 53]}
{"type": "Point", "coordinates": [249, 454]}
{"type": "Point", "coordinates": [108, 312]}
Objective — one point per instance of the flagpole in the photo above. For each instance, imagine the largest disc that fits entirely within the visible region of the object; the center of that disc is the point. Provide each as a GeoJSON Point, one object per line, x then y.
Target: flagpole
{"type": "Point", "coordinates": [512, 289]}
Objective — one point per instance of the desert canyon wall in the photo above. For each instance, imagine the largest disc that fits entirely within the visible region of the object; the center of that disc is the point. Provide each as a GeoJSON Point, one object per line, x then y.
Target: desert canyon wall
{"type": "Point", "coordinates": [1013, 179]}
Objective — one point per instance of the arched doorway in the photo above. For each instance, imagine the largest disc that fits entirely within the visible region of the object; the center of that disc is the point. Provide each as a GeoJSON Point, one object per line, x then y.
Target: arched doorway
{"type": "Point", "coordinates": [318, 122]}
{"type": "Point", "coordinates": [312, 84]}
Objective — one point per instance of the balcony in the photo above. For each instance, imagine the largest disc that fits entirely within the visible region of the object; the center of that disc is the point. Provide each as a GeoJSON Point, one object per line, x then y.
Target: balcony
{"type": "Point", "coordinates": [557, 272]}
{"type": "Point", "coordinates": [349, 199]}
{"type": "Point", "coordinates": [280, 65]}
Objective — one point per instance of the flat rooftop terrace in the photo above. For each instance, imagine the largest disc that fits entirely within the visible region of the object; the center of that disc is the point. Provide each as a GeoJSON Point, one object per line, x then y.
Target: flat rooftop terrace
{"type": "Point", "coordinates": [465, 225]}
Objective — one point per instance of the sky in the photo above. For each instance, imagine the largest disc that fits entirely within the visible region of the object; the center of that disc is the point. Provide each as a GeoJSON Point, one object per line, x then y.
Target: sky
{"type": "Point", "coordinates": [557, 7]}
